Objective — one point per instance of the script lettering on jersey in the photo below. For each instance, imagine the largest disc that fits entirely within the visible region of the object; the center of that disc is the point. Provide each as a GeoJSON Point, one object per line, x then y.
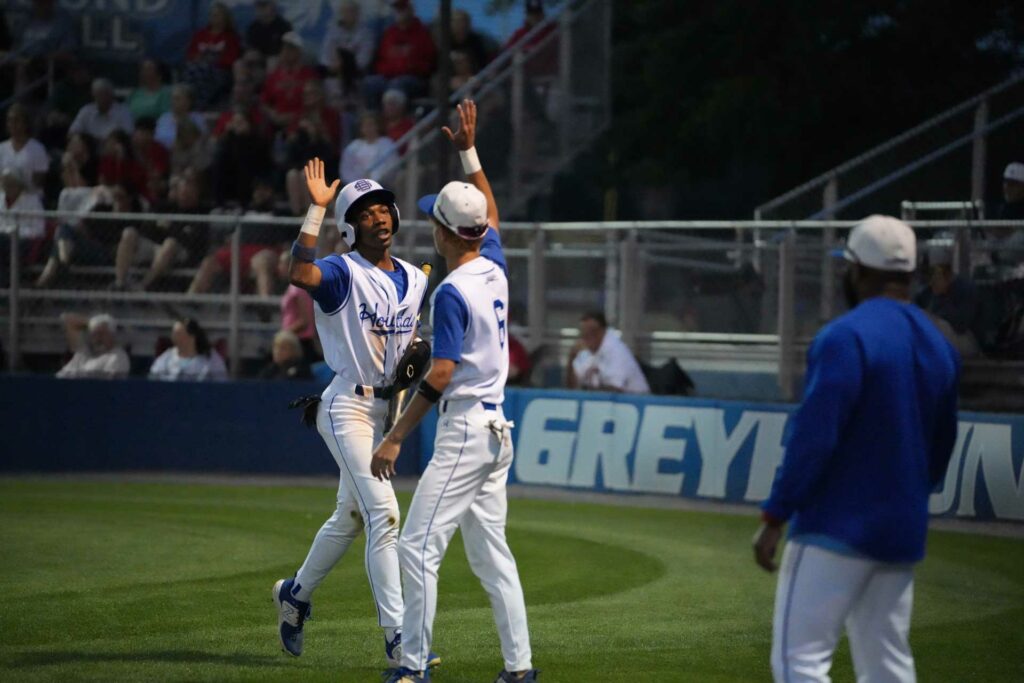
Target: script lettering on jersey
{"type": "Point", "coordinates": [384, 326]}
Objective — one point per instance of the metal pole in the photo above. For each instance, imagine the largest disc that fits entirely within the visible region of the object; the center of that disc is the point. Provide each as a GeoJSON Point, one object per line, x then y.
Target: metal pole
{"type": "Point", "coordinates": [412, 183]}
{"type": "Point", "coordinates": [515, 158]}
{"type": "Point", "coordinates": [565, 80]}
{"type": "Point", "coordinates": [234, 340]}
{"type": "Point", "coordinates": [979, 151]}
{"type": "Point", "coordinates": [787, 322]}
{"type": "Point", "coordinates": [628, 264]}
{"type": "Point", "coordinates": [611, 276]}
{"type": "Point", "coordinates": [828, 238]}
{"type": "Point", "coordinates": [13, 352]}
{"type": "Point", "coordinates": [537, 313]}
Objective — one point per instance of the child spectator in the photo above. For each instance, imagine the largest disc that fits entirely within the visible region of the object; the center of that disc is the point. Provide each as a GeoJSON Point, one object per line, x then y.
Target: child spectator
{"type": "Point", "coordinates": [97, 354]}
{"type": "Point", "coordinates": [286, 359]}
{"type": "Point", "coordinates": [152, 97]}
{"type": "Point", "coordinates": [103, 115]}
{"type": "Point", "coordinates": [405, 59]}
{"type": "Point", "coordinates": [266, 29]}
{"type": "Point", "coordinates": [22, 153]}
{"type": "Point", "coordinates": [361, 157]}
{"type": "Point", "coordinates": [282, 91]}
{"type": "Point", "coordinates": [210, 56]}
{"type": "Point", "coordinates": [191, 358]}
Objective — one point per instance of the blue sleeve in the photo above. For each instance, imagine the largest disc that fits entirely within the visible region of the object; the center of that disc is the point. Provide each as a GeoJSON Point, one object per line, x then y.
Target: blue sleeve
{"type": "Point", "coordinates": [945, 431]}
{"type": "Point", "coordinates": [335, 282]}
{"type": "Point", "coordinates": [451, 320]}
{"type": "Point", "coordinates": [834, 371]}
{"type": "Point", "coordinates": [491, 249]}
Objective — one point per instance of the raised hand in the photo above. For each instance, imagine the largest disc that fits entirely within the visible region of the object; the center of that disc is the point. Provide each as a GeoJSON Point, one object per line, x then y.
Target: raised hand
{"type": "Point", "coordinates": [465, 136]}
{"type": "Point", "coordinates": [316, 184]}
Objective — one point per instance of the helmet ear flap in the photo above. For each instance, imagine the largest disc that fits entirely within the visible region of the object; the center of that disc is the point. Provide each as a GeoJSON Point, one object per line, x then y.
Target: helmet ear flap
{"type": "Point", "coordinates": [396, 217]}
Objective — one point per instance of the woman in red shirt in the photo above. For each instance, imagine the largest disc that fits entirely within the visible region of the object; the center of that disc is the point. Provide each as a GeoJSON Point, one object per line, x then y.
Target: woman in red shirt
{"type": "Point", "coordinates": [211, 52]}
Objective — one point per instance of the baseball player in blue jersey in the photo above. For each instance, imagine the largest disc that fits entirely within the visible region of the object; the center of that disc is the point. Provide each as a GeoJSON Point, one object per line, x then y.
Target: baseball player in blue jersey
{"type": "Point", "coordinates": [463, 487]}
{"type": "Point", "coordinates": [366, 306]}
{"type": "Point", "coordinates": [867, 445]}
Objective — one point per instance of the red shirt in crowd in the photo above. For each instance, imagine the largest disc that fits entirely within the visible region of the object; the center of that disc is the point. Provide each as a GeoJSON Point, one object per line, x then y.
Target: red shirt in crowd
{"type": "Point", "coordinates": [396, 129]}
{"type": "Point", "coordinates": [282, 91]}
{"type": "Point", "coordinates": [406, 51]}
{"type": "Point", "coordinates": [221, 49]}
{"type": "Point", "coordinates": [156, 157]}
{"type": "Point", "coordinates": [125, 171]}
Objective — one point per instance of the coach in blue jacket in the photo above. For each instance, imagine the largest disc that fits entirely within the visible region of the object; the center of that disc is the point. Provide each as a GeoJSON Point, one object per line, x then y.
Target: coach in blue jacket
{"type": "Point", "coordinates": [864, 450]}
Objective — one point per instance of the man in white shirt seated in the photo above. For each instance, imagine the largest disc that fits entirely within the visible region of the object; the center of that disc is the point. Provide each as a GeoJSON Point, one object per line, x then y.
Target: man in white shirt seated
{"type": "Point", "coordinates": [97, 355]}
{"type": "Point", "coordinates": [601, 361]}
{"type": "Point", "coordinates": [103, 115]}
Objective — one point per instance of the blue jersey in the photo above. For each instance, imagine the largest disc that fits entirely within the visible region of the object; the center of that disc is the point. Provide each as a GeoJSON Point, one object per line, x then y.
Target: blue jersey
{"type": "Point", "coordinates": [873, 435]}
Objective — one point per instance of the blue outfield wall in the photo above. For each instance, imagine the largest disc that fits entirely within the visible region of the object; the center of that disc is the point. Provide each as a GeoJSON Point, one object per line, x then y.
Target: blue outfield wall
{"type": "Point", "coordinates": [717, 450]}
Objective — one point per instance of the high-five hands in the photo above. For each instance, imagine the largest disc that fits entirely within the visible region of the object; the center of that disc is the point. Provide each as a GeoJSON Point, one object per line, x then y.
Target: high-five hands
{"type": "Point", "coordinates": [465, 136]}
{"type": "Point", "coordinates": [321, 193]}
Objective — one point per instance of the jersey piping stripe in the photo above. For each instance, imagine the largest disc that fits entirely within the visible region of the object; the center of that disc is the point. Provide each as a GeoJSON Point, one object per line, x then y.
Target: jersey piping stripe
{"type": "Point", "coordinates": [789, 605]}
{"type": "Point", "coordinates": [430, 524]}
{"type": "Point", "coordinates": [362, 505]}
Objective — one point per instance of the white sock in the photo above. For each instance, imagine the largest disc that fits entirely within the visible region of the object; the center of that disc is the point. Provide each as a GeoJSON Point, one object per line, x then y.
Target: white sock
{"type": "Point", "coordinates": [300, 593]}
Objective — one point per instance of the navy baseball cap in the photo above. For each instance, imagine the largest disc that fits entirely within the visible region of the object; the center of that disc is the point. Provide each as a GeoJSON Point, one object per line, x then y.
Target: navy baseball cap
{"type": "Point", "coordinates": [460, 207]}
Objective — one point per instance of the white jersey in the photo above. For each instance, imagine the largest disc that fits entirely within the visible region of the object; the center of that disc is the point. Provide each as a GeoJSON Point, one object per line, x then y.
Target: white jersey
{"type": "Point", "coordinates": [364, 328]}
{"type": "Point", "coordinates": [482, 363]}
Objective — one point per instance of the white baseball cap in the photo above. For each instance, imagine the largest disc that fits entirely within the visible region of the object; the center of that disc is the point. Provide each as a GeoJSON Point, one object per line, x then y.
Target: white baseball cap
{"type": "Point", "coordinates": [460, 207]}
{"type": "Point", "coordinates": [356, 192]}
{"type": "Point", "coordinates": [882, 243]}
{"type": "Point", "coordinates": [1014, 171]}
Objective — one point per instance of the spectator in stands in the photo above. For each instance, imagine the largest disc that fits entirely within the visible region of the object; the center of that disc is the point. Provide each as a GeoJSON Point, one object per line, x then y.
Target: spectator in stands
{"type": "Point", "coordinates": [14, 197]}
{"type": "Point", "coordinates": [82, 149]}
{"type": "Point", "coordinates": [361, 156]}
{"type": "Point", "coordinates": [103, 115]}
{"type": "Point", "coordinates": [166, 243]}
{"type": "Point", "coordinates": [465, 40]}
{"type": "Point", "coordinates": [77, 197]}
{"type": "Point", "coordinates": [191, 149]}
{"type": "Point", "coordinates": [245, 101]}
{"type": "Point", "coordinates": [191, 358]}
{"type": "Point", "coordinates": [153, 156]}
{"type": "Point", "coordinates": [347, 50]}
{"type": "Point", "coordinates": [266, 29]}
{"type": "Point", "coordinates": [93, 341]}
{"type": "Point", "coordinates": [152, 97]}
{"type": "Point", "coordinates": [534, 16]}
{"type": "Point", "coordinates": [287, 361]}
{"type": "Point", "coordinates": [70, 93]}
{"type": "Point", "coordinates": [23, 153]}
{"type": "Point", "coordinates": [1013, 192]}
{"type": "Point", "coordinates": [951, 297]}
{"type": "Point", "coordinates": [395, 114]}
{"type": "Point", "coordinates": [241, 155]}
{"type": "Point", "coordinates": [315, 134]}
{"type": "Point", "coordinates": [210, 55]}
{"type": "Point", "coordinates": [251, 69]}
{"type": "Point", "coordinates": [405, 59]}
{"type": "Point", "coordinates": [181, 109]}
{"type": "Point", "coordinates": [258, 252]}
{"type": "Point", "coordinates": [519, 363]}
{"type": "Point", "coordinates": [297, 310]}
{"type": "Point", "coordinates": [600, 360]}
{"type": "Point", "coordinates": [282, 91]}
{"type": "Point", "coordinates": [118, 165]}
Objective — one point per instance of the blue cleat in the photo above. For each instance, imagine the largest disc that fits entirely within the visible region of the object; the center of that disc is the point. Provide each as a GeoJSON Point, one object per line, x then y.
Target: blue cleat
{"type": "Point", "coordinates": [291, 614]}
{"type": "Point", "coordinates": [404, 675]}
{"type": "Point", "coordinates": [393, 652]}
{"type": "Point", "coordinates": [527, 677]}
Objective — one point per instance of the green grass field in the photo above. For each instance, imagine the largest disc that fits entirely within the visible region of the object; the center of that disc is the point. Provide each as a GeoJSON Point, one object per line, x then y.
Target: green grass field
{"type": "Point", "coordinates": [127, 581]}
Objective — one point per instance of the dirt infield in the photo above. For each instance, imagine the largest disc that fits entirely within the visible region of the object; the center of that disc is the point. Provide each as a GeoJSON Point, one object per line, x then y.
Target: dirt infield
{"type": "Point", "coordinates": [1000, 529]}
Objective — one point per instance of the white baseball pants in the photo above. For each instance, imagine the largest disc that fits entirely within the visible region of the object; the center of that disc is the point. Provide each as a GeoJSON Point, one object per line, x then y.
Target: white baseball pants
{"type": "Point", "coordinates": [350, 426]}
{"type": "Point", "coordinates": [819, 592]}
{"type": "Point", "coordinates": [463, 487]}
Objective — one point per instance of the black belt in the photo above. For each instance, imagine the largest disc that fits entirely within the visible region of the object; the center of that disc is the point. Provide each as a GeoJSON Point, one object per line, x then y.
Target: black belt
{"type": "Point", "coordinates": [485, 404]}
{"type": "Point", "coordinates": [384, 393]}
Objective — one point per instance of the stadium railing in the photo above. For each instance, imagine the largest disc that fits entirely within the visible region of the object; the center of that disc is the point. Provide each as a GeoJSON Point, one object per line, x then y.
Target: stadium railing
{"type": "Point", "coordinates": [710, 293]}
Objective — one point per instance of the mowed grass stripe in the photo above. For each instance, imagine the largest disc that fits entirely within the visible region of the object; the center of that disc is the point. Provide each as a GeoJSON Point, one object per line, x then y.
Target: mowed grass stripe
{"type": "Point", "coordinates": [137, 581]}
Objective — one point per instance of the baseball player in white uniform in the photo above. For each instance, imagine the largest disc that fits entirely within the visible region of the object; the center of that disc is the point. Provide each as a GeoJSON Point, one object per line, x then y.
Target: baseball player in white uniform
{"type": "Point", "coordinates": [366, 306]}
{"type": "Point", "coordinates": [463, 487]}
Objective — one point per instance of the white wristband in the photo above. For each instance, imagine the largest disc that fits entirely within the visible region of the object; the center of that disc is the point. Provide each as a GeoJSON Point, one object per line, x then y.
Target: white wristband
{"type": "Point", "coordinates": [314, 217]}
{"type": "Point", "coordinates": [470, 161]}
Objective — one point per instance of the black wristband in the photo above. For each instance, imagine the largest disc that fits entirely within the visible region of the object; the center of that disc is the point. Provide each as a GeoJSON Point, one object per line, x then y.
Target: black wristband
{"type": "Point", "coordinates": [307, 254]}
{"type": "Point", "coordinates": [428, 392]}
